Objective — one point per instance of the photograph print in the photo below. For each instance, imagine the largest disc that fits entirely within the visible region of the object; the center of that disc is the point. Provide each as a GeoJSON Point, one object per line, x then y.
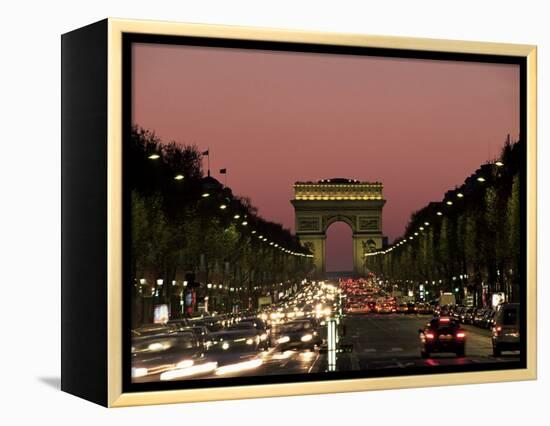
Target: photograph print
{"type": "Point", "coordinates": [305, 212]}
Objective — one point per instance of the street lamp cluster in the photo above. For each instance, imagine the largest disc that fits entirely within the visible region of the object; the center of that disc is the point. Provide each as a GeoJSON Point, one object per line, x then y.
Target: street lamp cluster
{"type": "Point", "coordinates": [225, 205]}
{"type": "Point", "coordinates": [472, 234]}
{"type": "Point", "coordinates": [215, 237]}
{"type": "Point", "coordinates": [447, 201]}
{"type": "Point", "coordinates": [244, 221]}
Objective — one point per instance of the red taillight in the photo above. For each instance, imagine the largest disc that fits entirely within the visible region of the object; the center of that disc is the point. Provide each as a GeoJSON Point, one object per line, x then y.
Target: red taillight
{"type": "Point", "coordinates": [460, 335]}
{"type": "Point", "coordinates": [429, 335]}
{"type": "Point", "coordinates": [444, 319]}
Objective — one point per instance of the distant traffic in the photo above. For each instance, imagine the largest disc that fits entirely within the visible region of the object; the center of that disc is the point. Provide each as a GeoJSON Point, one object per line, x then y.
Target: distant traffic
{"type": "Point", "coordinates": [352, 324]}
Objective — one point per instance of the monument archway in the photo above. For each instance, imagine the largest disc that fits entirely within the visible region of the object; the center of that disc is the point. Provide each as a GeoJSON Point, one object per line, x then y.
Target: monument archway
{"type": "Point", "coordinates": [319, 204]}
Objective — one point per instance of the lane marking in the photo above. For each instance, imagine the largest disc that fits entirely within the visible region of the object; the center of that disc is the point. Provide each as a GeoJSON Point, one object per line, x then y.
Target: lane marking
{"type": "Point", "coordinates": [314, 363]}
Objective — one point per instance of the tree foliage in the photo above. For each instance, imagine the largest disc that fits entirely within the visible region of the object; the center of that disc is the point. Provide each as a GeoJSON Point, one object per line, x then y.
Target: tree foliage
{"type": "Point", "coordinates": [184, 222]}
{"type": "Point", "coordinates": [473, 242]}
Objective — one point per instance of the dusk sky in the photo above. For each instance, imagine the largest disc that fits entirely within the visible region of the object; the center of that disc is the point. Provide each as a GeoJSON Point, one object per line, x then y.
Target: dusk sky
{"type": "Point", "coordinates": [272, 118]}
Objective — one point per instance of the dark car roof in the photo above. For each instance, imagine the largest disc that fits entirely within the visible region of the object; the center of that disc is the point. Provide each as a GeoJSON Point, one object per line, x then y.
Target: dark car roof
{"type": "Point", "coordinates": [443, 322]}
{"type": "Point", "coordinates": [152, 329]}
{"type": "Point", "coordinates": [253, 320]}
{"type": "Point", "coordinates": [243, 325]}
{"type": "Point", "coordinates": [233, 333]}
{"type": "Point", "coordinates": [297, 326]}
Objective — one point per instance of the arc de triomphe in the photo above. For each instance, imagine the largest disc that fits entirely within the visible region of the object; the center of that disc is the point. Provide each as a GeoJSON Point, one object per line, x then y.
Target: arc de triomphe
{"type": "Point", "coordinates": [319, 204]}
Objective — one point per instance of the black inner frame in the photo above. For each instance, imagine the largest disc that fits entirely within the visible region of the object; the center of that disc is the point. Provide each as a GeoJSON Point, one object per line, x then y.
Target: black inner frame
{"type": "Point", "coordinates": [130, 38]}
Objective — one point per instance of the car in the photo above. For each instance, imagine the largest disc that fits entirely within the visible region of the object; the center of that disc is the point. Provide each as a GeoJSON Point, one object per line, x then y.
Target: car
{"type": "Point", "coordinates": [213, 324]}
{"type": "Point", "coordinates": [505, 332]}
{"type": "Point", "coordinates": [257, 327]}
{"type": "Point", "coordinates": [299, 334]}
{"type": "Point", "coordinates": [456, 311]}
{"type": "Point", "coordinates": [158, 348]}
{"type": "Point", "coordinates": [411, 308]}
{"type": "Point", "coordinates": [443, 310]}
{"type": "Point", "coordinates": [424, 308]}
{"type": "Point", "coordinates": [385, 308]}
{"type": "Point", "coordinates": [200, 332]}
{"type": "Point", "coordinates": [179, 324]}
{"type": "Point", "coordinates": [478, 317]}
{"type": "Point", "coordinates": [466, 315]}
{"type": "Point", "coordinates": [371, 304]}
{"type": "Point", "coordinates": [234, 339]}
{"type": "Point", "coordinates": [442, 334]}
{"type": "Point", "coordinates": [488, 319]}
{"type": "Point", "coordinates": [402, 308]}
{"type": "Point", "coordinates": [357, 308]}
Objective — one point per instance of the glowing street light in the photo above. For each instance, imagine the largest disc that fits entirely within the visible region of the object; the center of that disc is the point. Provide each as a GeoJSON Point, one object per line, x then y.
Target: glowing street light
{"type": "Point", "coordinates": [206, 194]}
{"type": "Point", "coordinates": [449, 203]}
{"type": "Point", "coordinates": [178, 177]}
{"type": "Point", "coordinates": [236, 216]}
{"type": "Point", "coordinates": [244, 223]}
{"type": "Point", "coordinates": [499, 163]}
{"type": "Point", "coordinates": [427, 223]}
{"type": "Point", "coordinates": [154, 157]}
{"type": "Point", "coordinates": [439, 214]}
{"type": "Point", "coordinates": [481, 179]}
{"type": "Point", "coordinates": [460, 195]}
{"type": "Point", "coordinates": [223, 206]}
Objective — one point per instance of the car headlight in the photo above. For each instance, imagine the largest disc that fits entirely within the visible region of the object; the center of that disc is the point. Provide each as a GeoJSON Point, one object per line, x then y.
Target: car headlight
{"type": "Point", "coordinates": [249, 341]}
{"type": "Point", "coordinates": [154, 347]}
{"type": "Point", "coordinates": [138, 372]}
{"type": "Point", "coordinates": [186, 363]}
{"type": "Point", "coordinates": [263, 337]}
{"type": "Point", "coordinates": [306, 338]}
{"type": "Point", "coordinates": [225, 346]}
{"type": "Point", "coordinates": [283, 339]}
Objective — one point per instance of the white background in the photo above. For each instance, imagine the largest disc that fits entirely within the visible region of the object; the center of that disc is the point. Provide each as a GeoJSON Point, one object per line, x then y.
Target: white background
{"type": "Point", "coordinates": [30, 210]}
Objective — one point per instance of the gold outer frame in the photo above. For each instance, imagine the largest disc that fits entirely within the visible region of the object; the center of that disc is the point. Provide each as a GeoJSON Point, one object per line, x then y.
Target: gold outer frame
{"type": "Point", "coordinates": [116, 398]}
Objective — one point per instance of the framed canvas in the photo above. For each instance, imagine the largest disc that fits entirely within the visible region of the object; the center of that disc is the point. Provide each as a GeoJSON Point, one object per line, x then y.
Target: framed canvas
{"type": "Point", "coordinates": [254, 212]}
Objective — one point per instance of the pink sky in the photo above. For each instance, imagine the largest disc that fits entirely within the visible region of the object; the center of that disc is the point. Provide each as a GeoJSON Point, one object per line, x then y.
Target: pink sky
{"type": "Point", "coordinates": [273, 118]}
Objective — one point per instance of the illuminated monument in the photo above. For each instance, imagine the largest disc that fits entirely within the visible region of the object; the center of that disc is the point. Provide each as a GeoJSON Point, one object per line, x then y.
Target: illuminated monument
{"type": "Point", "coordinates": [319, 204]}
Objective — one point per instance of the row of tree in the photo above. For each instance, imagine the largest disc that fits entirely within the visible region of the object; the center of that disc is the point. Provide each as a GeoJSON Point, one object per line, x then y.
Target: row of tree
{"type": "Point", "coordinates": [185, 224]}
{"type": "Point", "coordinates": [471, 241]}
